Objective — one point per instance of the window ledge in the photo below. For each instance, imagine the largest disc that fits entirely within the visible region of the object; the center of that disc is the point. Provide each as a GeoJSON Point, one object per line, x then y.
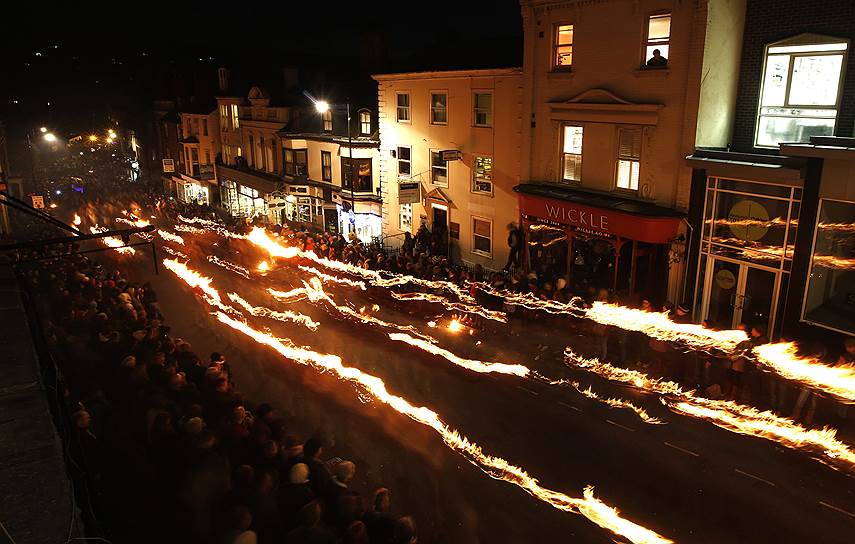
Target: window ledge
{"type": "Point", "coordinates": [652, 72]}
{"type": "Point", "coordinates": [560, 74]}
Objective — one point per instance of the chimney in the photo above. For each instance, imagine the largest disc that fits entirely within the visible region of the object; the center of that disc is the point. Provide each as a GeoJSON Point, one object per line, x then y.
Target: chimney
{"type": "Point", "coordinates": [223, 78]}
{"type": "Point", "coordinates": [291, 77]}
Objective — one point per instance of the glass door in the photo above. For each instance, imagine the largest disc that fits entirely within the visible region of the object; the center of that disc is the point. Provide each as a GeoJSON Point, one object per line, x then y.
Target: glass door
{"type": "Point", "coordinates": [737, 292]}
{"type": "Point", "coordinates": [721, 290]}
{"type": "Point", "coordinates": [756, 296]}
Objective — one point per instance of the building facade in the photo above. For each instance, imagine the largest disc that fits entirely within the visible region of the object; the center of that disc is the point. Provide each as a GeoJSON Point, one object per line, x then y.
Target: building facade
{"type": "Point", "coordinates": [196, 180]}
{"type": "Point", "coordinates": [450, 157]}
{"type": "Point", "coordinates": [772, 205]}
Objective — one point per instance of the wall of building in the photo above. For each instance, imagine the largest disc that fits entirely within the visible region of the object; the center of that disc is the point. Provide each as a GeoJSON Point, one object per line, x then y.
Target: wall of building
{"type": "Point", "coordinates": [768, 21]}
{"type": "Point", "coordinates": [501, 142]}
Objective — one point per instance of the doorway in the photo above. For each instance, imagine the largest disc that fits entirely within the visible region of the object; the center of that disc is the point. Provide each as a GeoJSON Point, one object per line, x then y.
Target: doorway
{"type": "Point", "coordinates": [737, 292]}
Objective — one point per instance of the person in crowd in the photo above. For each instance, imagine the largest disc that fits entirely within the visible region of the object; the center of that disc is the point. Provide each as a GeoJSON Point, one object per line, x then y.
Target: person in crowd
{"type": "Point", "coordinates": [514, 246]}
{"type": "Point", "coordinates": [657, 60]}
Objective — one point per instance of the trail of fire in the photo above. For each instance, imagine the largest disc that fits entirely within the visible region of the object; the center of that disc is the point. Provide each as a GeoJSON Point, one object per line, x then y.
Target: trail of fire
{"type": "Point", "coordinates": [830, 261]}
{"type": "Point", "coordinates": [287, 315]}
{"type": "Point", "coordinates": [198, 281]}
{"type": "Point", "coordinates": [730, 415]}
{"type": "Point", "coordinates": [169, 237]}
{"type": "Point", "coordinates": [76, 221]}
{"type": "Point", "coordinates": [588, 506]}
{"type": "Point", "coordinates": [335, 279]}
{"type": "Point", "coordinates": [782, 357]}
{"type": "Point", "coordinates": [454, 306]}
{"type": "Point", "coordinates": [175, 252]}
{"type": "Point", "coordinates": [298, 293]}
{"type": "Point", "coordinates": [208, 225]}
{"type": "Point", "coordinates": [133, 223]}
{"type": "Point", "coordinates": [189, 229]}
{"type": "Point", "coordinates": [230, 266]}
{"type": "Point", "coordinates": [611, 401]}
{"type": "Point", "coordinates": [470, 364]}
{"type": "Point", "coordinates": [111, 241]}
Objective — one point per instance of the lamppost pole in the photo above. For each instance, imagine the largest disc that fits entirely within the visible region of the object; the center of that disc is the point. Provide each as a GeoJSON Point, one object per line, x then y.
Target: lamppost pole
{"type": "Point", "coordinates": [350, 166]}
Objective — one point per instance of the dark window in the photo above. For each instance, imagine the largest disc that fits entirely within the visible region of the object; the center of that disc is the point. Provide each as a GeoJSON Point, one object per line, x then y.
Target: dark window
{"type": "Point", "coordinates": [326, 166]}
{"type": "Point", "coordinates": [361, 171]}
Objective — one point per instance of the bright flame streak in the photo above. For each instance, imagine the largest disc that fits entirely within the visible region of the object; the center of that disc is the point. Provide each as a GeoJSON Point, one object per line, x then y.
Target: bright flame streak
{"type": "Point", "coordinates": [469, 364]}
{"type": "Point", "coordinates": [136, 223]}
{"type": "Point", "coordinates": [175, 252]}
{"type": "Point", "coordinates": [76, 221]}
{"type": "Point", "coordinates": [263, 266]}
{"type": "Point", "coordinates": [453, 306]}
{"type": "Point", "coordinates": [334, 279]}
{"type": "Point", "coordinates": [208, 225]}
{"type": "Point", "coordinates": [188, 229]}
{"type": "Point", "coordinates": [232, 267]}
{"type": "Point", "coordinates": [192, 278]}
{"type": "Point", "coordinates": [455, 325]}
{"type": "Point", "coordinates": [613, 402]}
{"type": "Point", "coordinates": [592, 508]}
{"type": "Point", "coordinates": [293, 317]}
{"type": "Point", "coordinates": [198, 220]}
{"type": "Point", "coordinates": [730, 415]}
{"type": "Point", "coordinates": [830, 261]}
{"type": "Point", "coordinates": [782, 357]}
{"type": "Point", "coordinates": [169, 237]}
{"type": "Point", "coordinates": [293, 295]}
{"type": "Point", "coordinates": [113, 242]}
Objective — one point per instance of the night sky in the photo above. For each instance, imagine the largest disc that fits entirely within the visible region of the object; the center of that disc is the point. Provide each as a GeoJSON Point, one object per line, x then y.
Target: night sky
{"type": "Point", "coordinates": [70, 64]}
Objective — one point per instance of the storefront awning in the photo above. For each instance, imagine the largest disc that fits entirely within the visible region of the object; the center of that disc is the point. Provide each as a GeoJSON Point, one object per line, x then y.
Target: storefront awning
{"type": "Point", "coordinates": [598, 213]}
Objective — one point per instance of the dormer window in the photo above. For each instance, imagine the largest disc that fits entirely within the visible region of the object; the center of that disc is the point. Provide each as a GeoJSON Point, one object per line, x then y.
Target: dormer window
{"type": "Point", "coordinates": [800, 93]}
{"type": "Point", "coordinates": [327, 118]}
{"type": "Point", "coordinates": [364, 123]}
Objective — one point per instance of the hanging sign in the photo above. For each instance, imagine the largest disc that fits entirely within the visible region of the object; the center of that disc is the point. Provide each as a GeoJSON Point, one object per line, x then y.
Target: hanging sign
{"type": "Point", "coordinates": [409, 192]}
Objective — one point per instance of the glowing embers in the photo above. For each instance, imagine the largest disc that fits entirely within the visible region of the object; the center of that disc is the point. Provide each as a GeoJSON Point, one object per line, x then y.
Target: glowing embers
{"type": "Point", "coordinates": [738, 418]}
{"type": "Point", "coordinates": [613, 402]}
{"type": "Point", "coordinates": [112, 242]}
{"type": "Point", "coordinates": [230, 266]}
{"type": "Point", "coordinates": [782, 357]}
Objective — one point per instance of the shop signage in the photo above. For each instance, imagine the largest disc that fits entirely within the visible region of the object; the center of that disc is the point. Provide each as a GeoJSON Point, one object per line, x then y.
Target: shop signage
{"type": "Point", "coordinates": [38, 201]}
{"type": "Point", "coordinates": [748, 220]}
{"type": "Point", "coordinates": [168, 165]}
{"type": "Point", "coordinates": [409, 192]}
{"type": "Point", "coordinates": [725, 279]}
{"type": "Point", "coordinates": [569, 215]}
{"type": "Point", "coordinates": [451, 155]}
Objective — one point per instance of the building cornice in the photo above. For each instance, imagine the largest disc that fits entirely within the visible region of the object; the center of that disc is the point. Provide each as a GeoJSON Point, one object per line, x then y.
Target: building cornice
{"type": "Point", "coordinates": [449, 74]}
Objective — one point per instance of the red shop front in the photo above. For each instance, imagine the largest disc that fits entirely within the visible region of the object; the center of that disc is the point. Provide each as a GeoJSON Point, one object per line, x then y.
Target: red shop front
{"type": "Point", "coordinates": [596, 240]}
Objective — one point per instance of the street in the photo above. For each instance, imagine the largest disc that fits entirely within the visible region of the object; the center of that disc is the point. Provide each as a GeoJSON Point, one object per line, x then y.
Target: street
{"type": "Point", "coordinates": [687, 480]}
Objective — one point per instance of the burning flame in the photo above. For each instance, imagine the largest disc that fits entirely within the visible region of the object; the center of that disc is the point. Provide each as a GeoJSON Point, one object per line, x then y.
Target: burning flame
{"type": "Point", "coordinates": [175, 252]}
{"type": "Point", "coordinates": [293, 317]}
{"type": "Point", "coordinates": [263, 266]}
{"type": "Point", "coordinates": [782, 357]}
{"type": "Point", "coordinates": [469, 364]}
{"type": "Point", "coordinates": [830, 261]}
{"type": "Point", "coordinates": [236, 268]}
{"type": "Point", "coordinates": [613, 402]}
{"type": "Point", "coordinates": [335, 279]}
{"type": "Point", "coordinates": [135, 223]}
{"type": "Point", "coordinates": [76, 221]}
{"type": "Point", "coordinates": [453, 306]}
{"type": "Point", "coordinates": [169, 237]}
{"type": "Point", "coordinates": [455, 326]}
{"type": "Point", "coordinates": [113, 242]}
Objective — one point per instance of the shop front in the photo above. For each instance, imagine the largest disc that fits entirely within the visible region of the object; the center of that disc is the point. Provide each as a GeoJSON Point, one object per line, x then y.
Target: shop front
{"type": "Point", "coordinates": [192, 191]}
{"type": "Point", "coordinates": [364, 221]}
{"type": "Point", "coordinates": [596, 240]}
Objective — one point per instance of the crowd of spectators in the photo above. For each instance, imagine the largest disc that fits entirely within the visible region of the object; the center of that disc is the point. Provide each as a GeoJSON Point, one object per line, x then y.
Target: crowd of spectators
{"type": "Point", "coordinates": [171, 450]}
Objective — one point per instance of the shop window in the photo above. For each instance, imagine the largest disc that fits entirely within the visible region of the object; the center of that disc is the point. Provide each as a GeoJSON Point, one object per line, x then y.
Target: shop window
{"type": "Point", "coordinates": [482, 178]}
{"type": "Point", "coordinates": [406, 217]}
{"type": "Point", "coordinates": [800, 94]}
{"type": "Point", "coordinates": [365, 123]}
{"type": "Point", "coordinates": [403, 107]}
{"type": "Point", "coordinates": [658, 42]}
{"type": "Point", "coordinates": [438, 169]}
{"type": "Point", "coordinates": [327, 119]}
{"type": "Point", "coordinates": [224, 117]}
{"type": "Point", "coordinates": [830, 298]}
{"type": "Point", "coordinates": [438, 108]}
{"type": "Point", "coordinates": [405, 166]}
{"type": "Point", "coordinates": [562, 48]}
{"type": "Point", "coordinates": [482, 236]}
{"type": "Point", "coordinates": [361, 171]}
{"type": "Point", "coordinates": [326, 166]}
{"type": "Point", "coordinates": [235, 119]}
{"type": "Point", "coordinates": [628, 159]}
{"type": "Point", "coordinates": [571, 158]}
{"type": "Point", "coordinates": [483, 109]}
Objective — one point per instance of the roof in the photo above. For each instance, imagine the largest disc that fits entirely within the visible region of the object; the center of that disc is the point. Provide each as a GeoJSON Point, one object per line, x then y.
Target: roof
{"type": "Point", "coordinates": [448, 74]}
{"type": "Point", "coordinates": [598, 200]}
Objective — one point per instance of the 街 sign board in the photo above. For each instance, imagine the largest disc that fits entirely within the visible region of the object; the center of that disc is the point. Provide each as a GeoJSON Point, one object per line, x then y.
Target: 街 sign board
{"type": "Point", "coordinates": [409, 192]}
{"type": "Point", "coordinates": [169, 165]}
{"type": "Point", "coordinates": [38, 201]}
{"type": "Point", "coordinates": [451, 155]}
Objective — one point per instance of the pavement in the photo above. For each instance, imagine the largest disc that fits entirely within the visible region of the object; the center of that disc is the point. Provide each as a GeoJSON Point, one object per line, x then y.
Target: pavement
{"type": "Point", "coordinates": [688, 480]}
{"type": "Point", "coordinates": [36, 496]}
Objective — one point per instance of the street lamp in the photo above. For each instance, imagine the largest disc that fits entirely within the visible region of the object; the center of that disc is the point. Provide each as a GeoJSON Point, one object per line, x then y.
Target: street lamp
{"type": "Point", "coordinates": [43, 129]}
{"type": "Point", "coordinates": [93, 138]}
{"type": "Point", "coordinates": [49, 137]}
{"type": "Point", "coordinates": [322, 106]}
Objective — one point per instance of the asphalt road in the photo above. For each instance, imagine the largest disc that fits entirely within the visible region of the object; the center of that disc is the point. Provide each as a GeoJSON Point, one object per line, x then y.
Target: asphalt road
{"type": "Point", "coordinates": [687, 479]}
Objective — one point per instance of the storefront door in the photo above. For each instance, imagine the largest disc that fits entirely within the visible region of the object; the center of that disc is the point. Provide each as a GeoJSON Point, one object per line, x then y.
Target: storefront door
{"type": "Point", "coordinates": [738, 292]}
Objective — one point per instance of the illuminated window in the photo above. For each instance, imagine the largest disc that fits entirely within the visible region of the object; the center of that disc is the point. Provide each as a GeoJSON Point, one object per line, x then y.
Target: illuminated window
{"type": "Point", "coordinates": [629, 158]}
{"type": "Point", "coordinates": [235, 121]}
{"type": "Point", "coordinates": [800, 94]}
{"type": "Point", "coordinates": [361, 171]}
{"type": "Point", "coordinates": [405, 166]}
{"type": "Point", "coordinates": [571, 156]}
{"type": "Point", "coordinates": [438, 169]}
{"type": "Point", "coordinates": [562, 49]}
{"type": "Point", "coordinates": [326, 166]}
{"type": "Point", "coordinates": [295, 162]}
{"type": "Point", "coordinates": [406, 217]}
{"type": "Point", "coordinates": [403, 108]}
{"type": "Point", "coordinates": [483, 109]}
{"type": "Point", "coordinates": [224, 117]}
{"type": "Point", "coordinates": [438, 108]}
{"type": "Point", "coordinates": [365, 123]}
{"type": "Point", "coordinates": [482, 178]}
{"type": "Point", "coordinates": [657, 44]}
{"type": "Point", "coordinates": [482, 236]}
{"type": "Point", "coordinates": [327, 118]}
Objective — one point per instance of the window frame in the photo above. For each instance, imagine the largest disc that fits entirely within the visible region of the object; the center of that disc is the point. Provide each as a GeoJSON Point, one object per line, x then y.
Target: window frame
{"type": "Point", "coordinates": [481, 252]}
{"type": "Point", "coordinates": [408, 160]}
{"type": "Point", "coordinates": [806, 40]}
{"type": "Point", "coordinates": [474, 187]}
{"type": "Point", "coordinates": [433, 180]}
{"type": "Point", "coordinates": [408, 108]}
{"type": "Point", "coordinates": [434, 109]}
{"type": "Point", "coordinates": [327, 121]}
{"type": "Point", "coordinates": [401, 217]}
{"type": "Point", "coordinates": [629, 158]}
{"type": "Point", "coordinates": [235, 117]}
{"type": "Point", "coordinates": [553, 61]}
{"type": "Point", "coordinates": [563, 154]}
{"type": "Point", "coordinates": [475, 108]}
{"type": "Point", "coordinates": [345, 171]}
{"type": "Point", "coordinates": [646, 43]}
{"type": "Point", "coordinates": [364, 120]}
{"type": "Point", "coordinates": [326, 169]}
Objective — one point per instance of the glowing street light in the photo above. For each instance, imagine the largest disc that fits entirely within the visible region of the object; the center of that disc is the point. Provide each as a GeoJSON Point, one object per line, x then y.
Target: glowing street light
{"type": "Point", "coordinates": [43, 129]}
{"type": "Point", "coordinates": [50, 137]}
{"type": "Point", "coordinates": [93, 138]}
{"type": "Point", "coordinates": [322, 106]}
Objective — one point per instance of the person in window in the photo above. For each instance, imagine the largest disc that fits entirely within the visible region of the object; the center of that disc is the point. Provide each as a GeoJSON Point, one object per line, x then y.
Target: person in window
{"type": "Point", "coordinates": [657, 60]}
